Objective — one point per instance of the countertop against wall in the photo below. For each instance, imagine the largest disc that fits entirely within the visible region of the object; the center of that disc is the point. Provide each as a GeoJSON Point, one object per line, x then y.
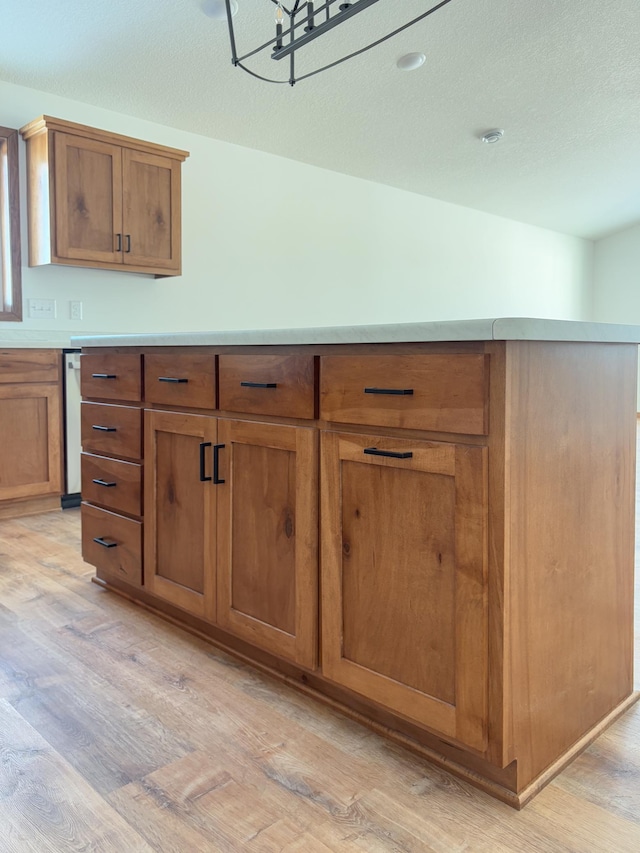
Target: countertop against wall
{"type": "Point", "coordinates": [33, 339]}
{"type": "Point", "coordinates": [499, 329]}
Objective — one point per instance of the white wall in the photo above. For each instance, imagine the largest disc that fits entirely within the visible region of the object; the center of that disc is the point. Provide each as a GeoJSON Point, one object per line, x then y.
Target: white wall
{"type": "Point", "coordinates": [616, 290]}
{"type": "Point", "coordinates": [616, 279]}
{"type": "Point", "coordinates": [269, 242]}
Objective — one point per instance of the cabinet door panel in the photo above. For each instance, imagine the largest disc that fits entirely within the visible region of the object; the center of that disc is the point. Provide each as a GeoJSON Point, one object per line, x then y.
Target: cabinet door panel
{"type": "Point", "coordinates": [88, 176]}
{"type": "Point", "coordinates": [180, 514]}
{"type": "Point", "coordinates": [30, 441]}
{"type": "Point", "coordinates": [404, 578]}
{"type": "Point", "coordinates": [151, 210]}
{"type": "Point", "coordinates": [267, 531]}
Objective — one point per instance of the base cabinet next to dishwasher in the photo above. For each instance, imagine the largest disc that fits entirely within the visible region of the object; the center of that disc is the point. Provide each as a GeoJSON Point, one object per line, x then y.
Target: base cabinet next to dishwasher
{"type": "Point", "coordinates": [31, 444]}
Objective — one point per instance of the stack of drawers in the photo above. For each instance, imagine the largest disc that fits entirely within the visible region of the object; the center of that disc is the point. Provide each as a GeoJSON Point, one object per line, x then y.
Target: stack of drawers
{"type": "Point", "coordinates": [111, 428]}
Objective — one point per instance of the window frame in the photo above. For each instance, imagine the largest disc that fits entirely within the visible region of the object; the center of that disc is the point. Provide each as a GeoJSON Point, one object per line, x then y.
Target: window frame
{"type": "Point", "coordinates": [10, 254]}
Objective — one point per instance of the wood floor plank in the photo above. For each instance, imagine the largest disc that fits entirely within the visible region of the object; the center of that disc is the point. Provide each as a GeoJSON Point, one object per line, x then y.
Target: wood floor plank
{"type": "Point", "coordinates": [45, 805]}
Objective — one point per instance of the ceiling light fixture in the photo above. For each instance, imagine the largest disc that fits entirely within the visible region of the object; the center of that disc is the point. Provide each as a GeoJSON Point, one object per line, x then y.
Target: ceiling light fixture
{"type": "Point", "coordinates": [300, 23]}
{"type": "Point", "coordinates": [410, 61]}
{"type": "Point", "coordinates": [493, 136]}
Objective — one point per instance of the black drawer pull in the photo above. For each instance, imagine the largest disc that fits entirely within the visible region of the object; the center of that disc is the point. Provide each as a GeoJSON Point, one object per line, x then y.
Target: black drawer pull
{"type": "Point", "coordinates": [119, 246]}
{"type": "Point", "coordinates": [397, 392]}
{"type": "Point", "coordinates": [106, 543]}
{"type": "Point", "coordinates": [259, 384]}
{"type": "Point", "coordinates": [104, 376]}
{"type": "Point", "coordinates": [99, 482]}
{"type": "Point", "coordinates": [203, 447]}
{"type": "Point", "coordinates": [104, 428]}
{"type": "Point", "coordinates": [373, 451]}
{"type": "Point", "coordinates": [128, 239]}
{"type": "Point", "coordinates": [172, 379]}
{"type": "Point", "coordinates": [216, 479]}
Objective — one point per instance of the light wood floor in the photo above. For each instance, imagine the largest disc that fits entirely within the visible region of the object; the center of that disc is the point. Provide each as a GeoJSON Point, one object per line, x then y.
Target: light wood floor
{"type": "Point", "coordinates": [119, 732]}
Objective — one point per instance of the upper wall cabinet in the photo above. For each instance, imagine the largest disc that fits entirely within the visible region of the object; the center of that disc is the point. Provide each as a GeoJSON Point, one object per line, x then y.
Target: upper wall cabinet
{"type": "Point", "coordinates": [97, 199]}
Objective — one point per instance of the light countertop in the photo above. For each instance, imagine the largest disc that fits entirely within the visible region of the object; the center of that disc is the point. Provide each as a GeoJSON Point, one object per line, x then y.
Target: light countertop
{"type": "Point", "coordinates": [32, 339]}
{"type": "Point", "coordinates": [497, 329]}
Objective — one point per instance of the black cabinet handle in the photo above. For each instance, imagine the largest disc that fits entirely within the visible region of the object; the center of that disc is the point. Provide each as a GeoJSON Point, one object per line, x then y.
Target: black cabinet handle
{"type": "Point", "coordinates": [373, 451]}
{"type": "Point", "coordinates": [99, 482]}
{"type": "Point", "coordinates": [104, 428]}
{"type": "Point", "coordinates": [216, 449]}
{"type": "Point", "coordinates": [104, 376]}
{"type": "Point", "coordinates": [203, 447]}
{"type": "Point", "coordinates": [128, 239]}
{"type": "Point", "coordinates": [172, 379]}
{"type": "Point", "coordinates": [119, 239]}
{"type": "Point", "coordinates": [106, 543]}
{"type": "Point", "coordinates": [398, 392]}
{"type": "Point", "coordinates": [259, 384]}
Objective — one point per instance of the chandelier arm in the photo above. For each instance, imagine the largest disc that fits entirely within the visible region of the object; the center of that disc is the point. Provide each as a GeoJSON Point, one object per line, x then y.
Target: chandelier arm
{"type": "Point", "coordinates": [232, 38]}
{"type": "Point", "coordinates": [375, 43]}
{"type": "Point", "coordinates": [253, 74]}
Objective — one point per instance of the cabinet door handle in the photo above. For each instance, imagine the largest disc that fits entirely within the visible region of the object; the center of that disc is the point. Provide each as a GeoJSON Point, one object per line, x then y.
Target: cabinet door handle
{"type": "Point", "coordinates": [104, 428]}
{"type": "Point", "coordinates": [104, 376]}
{"type": "Point", "coordinates": [373, 451]}
{"type": "Point", "coordinates": [119, 244]}
{"type": "Point", "coordinates": [106, 543]}
{"type": "Point", "coordinates": [128, 239]}
{"type": "Point", "coordinates": [216, 449]}
{"type": "Point", "coordinates": [99, 482]}
{"type": "Point", "coordinates": [171, 379]}
{"type": "Point", "coordinates": [203, 447]}
{"type": "Point", "coordinates": [398, 392]}
{"type": "Point", "coordinates": [259, 384]}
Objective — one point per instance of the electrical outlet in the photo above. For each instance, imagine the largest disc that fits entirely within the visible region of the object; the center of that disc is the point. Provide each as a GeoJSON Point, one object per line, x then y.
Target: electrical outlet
{"type": "Point", "coordinates": [42, 309]}
{"type": "Point", "coordinates": [75, 310]}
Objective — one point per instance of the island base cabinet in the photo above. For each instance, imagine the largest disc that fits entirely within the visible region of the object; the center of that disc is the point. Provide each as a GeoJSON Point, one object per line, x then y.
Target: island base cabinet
{"type": "Point", "coordinates": [404, 578]}
{"type": "Point", "coordinates": [267, 541]}
{"type": "Point", "coordinates": [180, 516]}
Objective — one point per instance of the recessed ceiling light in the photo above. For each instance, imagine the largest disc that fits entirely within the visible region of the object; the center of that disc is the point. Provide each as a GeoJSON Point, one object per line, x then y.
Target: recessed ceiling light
{"type": "Point", "coordinates": [410, 61]}
{"type": "Point", "coordinates": [493, 136]}
{"type": "Point", "coordinates": [217, 9]}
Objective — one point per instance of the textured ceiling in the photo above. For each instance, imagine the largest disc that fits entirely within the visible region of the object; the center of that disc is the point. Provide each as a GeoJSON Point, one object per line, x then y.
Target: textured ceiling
{"type": "Point", "coordinates": [561, 78]}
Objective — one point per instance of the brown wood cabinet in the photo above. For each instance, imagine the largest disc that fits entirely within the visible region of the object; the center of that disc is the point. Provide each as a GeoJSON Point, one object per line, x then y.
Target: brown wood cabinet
{"type": "Point", "coordinates": [102, 200]}
{"type": "Point", "coordinates": [471, 505]}
{"type": "Point", "coordinates": [30, 430]}
{"type": "Point", "coordinates": [404, 584]}
{"type": "Point", "coordinates": [267, 537]}
{"type": "Point", "coordinates": [180, 517]}
{"type": "Point", "coordinates": [231, 515]}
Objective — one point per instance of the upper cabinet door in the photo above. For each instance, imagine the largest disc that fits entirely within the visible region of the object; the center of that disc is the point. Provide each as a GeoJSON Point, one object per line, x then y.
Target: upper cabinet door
{"type": "Point", "coordinates": [404, 578]}
{"type": "Point", "coordinates": [151, 210]}
{"type": "Point", "coordinates": [88, 199]}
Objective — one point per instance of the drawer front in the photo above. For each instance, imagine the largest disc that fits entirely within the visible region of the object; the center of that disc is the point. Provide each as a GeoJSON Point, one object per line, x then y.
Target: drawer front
{"type": "Point", "coordinates": [112, 483]}
{"type": "Point", "coordinates": [110, 376]}
{"type": "Point", "coordinates": [112, 543]}
{"type": "Point", "coordinates": [24, 365]}
{"type": "Point", "coordinates": [268, 384]}
{"type": "Point", "coordinates": [181, 380]}
{"type": "Point", "coordinates": [111, 430]}
{"type": "Point", "coordinates": [445, 393]}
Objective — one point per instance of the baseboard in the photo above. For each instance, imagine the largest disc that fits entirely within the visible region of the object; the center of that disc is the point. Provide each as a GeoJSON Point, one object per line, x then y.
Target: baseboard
{"type": "Point", "coordinates": [69, 501]}
{"type": "Point", "coordinates": [29, 506]}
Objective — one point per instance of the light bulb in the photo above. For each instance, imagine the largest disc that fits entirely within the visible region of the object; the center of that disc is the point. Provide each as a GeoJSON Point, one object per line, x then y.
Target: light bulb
{"type": "Point", "coordinates": [279, 14]}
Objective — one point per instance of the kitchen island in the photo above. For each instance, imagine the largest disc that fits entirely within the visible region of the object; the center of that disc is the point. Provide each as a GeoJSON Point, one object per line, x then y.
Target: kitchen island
{"type": "Point", "coordinates": [428, 526]}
